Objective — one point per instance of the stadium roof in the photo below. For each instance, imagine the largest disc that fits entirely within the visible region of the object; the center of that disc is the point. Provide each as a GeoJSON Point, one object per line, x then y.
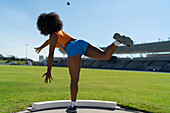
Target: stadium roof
{"type": "Point", "coordinates": [163, 46]}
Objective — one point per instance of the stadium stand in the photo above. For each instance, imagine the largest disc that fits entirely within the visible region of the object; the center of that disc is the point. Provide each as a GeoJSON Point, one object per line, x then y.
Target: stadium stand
{"type": "Point", "coordinates": [121, 63]}
{"type": "Point", "coordinates": [154, 47]}
{"type": "Point", "coordinates": [152, 62]}
{"type": "Point", "coordinates": [166, 67]}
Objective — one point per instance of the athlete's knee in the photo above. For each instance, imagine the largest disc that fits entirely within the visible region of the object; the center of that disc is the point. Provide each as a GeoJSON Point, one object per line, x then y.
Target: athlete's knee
{"type": "Point", "coordinates": [107, 57]}
{"type": "Point", "coordinates": [74, 81]}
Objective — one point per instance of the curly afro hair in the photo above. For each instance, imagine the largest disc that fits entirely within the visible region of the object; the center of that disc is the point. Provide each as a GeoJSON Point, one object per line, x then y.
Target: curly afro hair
{"type": "Point", "coordinates": [49, 23]}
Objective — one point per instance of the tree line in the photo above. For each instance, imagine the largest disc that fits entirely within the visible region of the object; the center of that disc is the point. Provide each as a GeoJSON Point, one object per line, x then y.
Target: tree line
{"type": "Point", "coordinates": [11, 58]}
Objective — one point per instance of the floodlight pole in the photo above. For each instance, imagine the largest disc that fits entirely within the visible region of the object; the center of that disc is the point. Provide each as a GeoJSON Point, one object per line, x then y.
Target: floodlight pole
{"type": "Point", "coordinates": [26, 51]}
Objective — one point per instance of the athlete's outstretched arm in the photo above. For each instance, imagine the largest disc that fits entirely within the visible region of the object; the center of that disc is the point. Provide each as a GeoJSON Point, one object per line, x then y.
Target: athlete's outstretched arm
{"type": "Point", "coordinates": [53, 40]}
{"type": "Point", "coordinates": [38, 49]}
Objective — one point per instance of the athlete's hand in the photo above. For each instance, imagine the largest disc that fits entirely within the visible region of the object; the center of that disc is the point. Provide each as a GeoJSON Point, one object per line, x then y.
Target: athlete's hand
{"type": "Point", "coordinates": [48, 77]}
{"type": "Point", "coordinates": [38, 49]}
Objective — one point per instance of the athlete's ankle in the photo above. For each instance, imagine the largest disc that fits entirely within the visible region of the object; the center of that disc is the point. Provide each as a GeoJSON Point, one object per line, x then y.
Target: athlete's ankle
{"type": "Point", "coordinates": [73, 103]}
{"type": "Point", "coordinates": [117, 43]}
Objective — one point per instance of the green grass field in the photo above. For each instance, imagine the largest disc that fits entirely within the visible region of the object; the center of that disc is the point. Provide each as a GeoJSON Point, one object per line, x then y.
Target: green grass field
{"type": "Point", "coordinates": [20, 86]}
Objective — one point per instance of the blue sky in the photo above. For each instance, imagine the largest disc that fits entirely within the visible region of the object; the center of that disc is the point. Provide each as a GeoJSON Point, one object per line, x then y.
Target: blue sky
{"type": "Point", "coordinates": [93, 20]}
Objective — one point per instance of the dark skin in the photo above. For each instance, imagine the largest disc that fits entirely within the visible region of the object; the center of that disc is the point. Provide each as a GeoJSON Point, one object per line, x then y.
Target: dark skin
{"type": "Point", "coordinates": [74, 61]}
{"type": "Point", "coordinates": [52, 41]}
{"type": "Point", "coordinates": [38, 49]}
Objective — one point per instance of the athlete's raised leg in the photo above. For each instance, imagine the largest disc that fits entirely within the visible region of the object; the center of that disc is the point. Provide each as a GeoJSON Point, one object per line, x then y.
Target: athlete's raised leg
{"type": "Point", "coordinates": [99, 54]}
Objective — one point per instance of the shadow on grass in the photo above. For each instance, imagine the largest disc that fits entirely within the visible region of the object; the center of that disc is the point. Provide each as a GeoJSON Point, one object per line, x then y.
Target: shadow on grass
{"type": "Point", "coordinates": [133, 109]}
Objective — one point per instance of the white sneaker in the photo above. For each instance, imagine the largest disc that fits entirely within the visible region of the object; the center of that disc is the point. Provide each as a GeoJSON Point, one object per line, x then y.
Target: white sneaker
{"type": "Point", "coordinates": [123, 39]}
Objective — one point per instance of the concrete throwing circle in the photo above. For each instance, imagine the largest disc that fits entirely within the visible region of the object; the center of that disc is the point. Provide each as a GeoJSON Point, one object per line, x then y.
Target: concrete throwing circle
{"type": "Point", "coordinates": [65, 103]}
{"type": "Point", "coordinates": [84, 110]}
{"type": "Point", "coordinates": [84, 106]}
